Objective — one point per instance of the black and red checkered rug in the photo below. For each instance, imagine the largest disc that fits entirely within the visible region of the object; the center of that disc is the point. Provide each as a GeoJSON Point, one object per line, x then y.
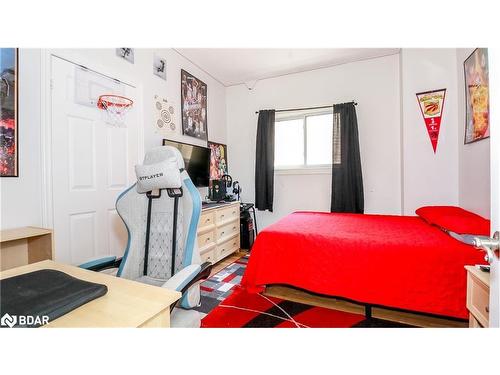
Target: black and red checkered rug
{"type": "Point", "coordinates": [228, 305]}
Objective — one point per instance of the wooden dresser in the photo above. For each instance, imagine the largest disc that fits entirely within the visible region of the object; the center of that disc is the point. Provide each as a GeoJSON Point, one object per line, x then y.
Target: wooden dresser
{"type": "Point", "coordinates": [219, 231]}
{"type": "Point", "coordinates": [478, 295]}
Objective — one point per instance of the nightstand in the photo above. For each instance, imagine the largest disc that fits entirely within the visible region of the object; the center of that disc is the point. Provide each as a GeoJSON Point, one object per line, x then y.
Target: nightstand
{"type": "Point", "coordinates": [478, 296]}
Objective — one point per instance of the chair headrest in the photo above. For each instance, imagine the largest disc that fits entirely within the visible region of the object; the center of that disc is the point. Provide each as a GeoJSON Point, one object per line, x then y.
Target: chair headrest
{"type": "Point", "coordinates": [160, 170]}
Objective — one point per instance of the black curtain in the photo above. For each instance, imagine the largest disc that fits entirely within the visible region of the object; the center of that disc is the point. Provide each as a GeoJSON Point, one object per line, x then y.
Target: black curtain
{"type": "Point", "coordinates": [264, 161]}
{"type": "Point", "coordinates": [347, 179]}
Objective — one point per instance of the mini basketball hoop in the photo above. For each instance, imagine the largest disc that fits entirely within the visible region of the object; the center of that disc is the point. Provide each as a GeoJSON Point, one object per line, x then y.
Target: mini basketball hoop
{"type": "Point", "coordinates": [115, 107]}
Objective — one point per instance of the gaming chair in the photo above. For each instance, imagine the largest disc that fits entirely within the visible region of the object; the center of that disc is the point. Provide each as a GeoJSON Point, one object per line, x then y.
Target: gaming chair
{"type": "Point", "coordinates": [161, 212]}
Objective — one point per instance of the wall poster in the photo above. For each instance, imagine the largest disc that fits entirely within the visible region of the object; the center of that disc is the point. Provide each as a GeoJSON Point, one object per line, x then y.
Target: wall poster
{"type": "Point", "coordinates": [193, 106]}
{"type": "Point", "coordinates": [477, 105]}
{"type": "Point", "coordinates": [9, 145]}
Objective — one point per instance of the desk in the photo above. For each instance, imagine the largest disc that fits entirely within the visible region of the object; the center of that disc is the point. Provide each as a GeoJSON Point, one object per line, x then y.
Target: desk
{"type": "Point", "coordinates": [126, 304]}
{"type": "Point", "coordinates": [20, 246]}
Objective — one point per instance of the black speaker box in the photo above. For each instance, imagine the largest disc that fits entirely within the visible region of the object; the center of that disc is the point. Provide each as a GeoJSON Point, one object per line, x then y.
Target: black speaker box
{"type": "Point", "coordinates": [218, 190]}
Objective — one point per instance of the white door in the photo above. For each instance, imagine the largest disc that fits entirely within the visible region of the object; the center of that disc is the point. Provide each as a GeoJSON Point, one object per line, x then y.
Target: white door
{"type": "Point", "coordinates": [494, 62]}
{"type": "Point", "coordinates": [92, 162]}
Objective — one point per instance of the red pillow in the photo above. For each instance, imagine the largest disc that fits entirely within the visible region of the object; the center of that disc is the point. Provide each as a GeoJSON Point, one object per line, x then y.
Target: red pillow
{"type": "Point", "coordinates": [455, 219]}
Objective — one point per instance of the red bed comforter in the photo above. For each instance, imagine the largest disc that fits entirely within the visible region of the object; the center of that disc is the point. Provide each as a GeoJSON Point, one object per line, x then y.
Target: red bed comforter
{"type": "Point", "coordinates": [393, 261]}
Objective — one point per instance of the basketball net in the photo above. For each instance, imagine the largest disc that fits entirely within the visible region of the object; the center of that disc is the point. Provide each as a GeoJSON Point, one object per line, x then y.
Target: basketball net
{"type": "Point", "coordinates": [114, 108]}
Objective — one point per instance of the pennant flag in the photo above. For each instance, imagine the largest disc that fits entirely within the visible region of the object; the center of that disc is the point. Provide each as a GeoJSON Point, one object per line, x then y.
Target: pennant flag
{"type": "Point", "coordinates": [431, 105]}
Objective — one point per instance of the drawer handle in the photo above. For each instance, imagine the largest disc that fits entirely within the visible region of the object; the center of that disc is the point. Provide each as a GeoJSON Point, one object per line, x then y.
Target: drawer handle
{"type": "Point", "coordinates": [234, 212]}
{"type": "Point", "coordinates": [487, 308]}
{"type": "Point", "coordinates": [234, 228]}
{"type": "Point", "coordinates": [222, 233]}
{"type": "Point", "coordinates": [207, 239]}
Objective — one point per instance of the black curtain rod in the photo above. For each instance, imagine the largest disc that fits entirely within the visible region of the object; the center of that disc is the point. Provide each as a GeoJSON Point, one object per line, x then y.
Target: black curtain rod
{"type": "Point", "coordinates": [308, 108]}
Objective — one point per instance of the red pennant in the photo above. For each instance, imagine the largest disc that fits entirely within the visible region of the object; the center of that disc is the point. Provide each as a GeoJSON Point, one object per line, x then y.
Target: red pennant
{"type": "Point", "coordinates": [431, 106]}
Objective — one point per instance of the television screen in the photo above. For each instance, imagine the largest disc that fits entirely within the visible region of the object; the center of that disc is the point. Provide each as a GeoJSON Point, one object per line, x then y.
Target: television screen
{"type": "Point", "coordinates": [196, 161]}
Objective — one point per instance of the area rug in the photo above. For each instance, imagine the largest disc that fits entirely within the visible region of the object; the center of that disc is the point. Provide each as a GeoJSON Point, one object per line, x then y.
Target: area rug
{"type": "Point", "coordinates": [252, 310]}
{"type": "Point", "coordinates": [220, 286]}
{"type": "Point", "coordinates": [225, 304]}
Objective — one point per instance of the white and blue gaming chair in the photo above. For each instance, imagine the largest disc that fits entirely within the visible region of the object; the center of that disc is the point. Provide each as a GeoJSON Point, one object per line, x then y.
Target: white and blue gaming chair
{"type": "Point", "coordinates": [161, 212]}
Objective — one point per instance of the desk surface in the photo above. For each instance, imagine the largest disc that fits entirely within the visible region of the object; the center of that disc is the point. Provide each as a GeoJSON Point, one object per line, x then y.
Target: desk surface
{"type": "Point", "coordinates": [214, 205]}
{"type": "Point", "coordinates": [23, 232]}
{"type": "Point", "coordinates": [126, 304]}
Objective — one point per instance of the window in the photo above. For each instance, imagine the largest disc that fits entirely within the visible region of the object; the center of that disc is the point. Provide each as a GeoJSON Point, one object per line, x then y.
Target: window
{"type": "Point", "coordinates": [305, 141]}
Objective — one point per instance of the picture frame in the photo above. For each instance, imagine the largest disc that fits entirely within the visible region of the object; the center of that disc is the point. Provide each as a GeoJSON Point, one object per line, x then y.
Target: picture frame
{"type": "Point", "coordinates": [9, 112]}
{"type": "Point", "coordinates": [160, 67]}
{"type": "Point", "coordinates": [218, 160]}
{"type": "Point", "coordinates": [477, 118]}
{"type": "Point", "coordinates": [127, 54]}
{"type": "Point", "coordinates": [194, 106]}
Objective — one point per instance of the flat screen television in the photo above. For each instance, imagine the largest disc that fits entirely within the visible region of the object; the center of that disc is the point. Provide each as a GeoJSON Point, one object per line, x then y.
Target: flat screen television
{"type": "Point", "coordinates": [196, 161]}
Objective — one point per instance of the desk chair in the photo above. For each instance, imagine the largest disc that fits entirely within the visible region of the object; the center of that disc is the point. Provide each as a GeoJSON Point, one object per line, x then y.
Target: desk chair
{"type": "Point", "coordinates": [161, 212]}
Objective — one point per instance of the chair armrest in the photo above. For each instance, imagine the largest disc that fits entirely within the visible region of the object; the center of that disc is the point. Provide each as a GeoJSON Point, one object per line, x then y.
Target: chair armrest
{"type": "Point", "coordinates": [188, 276]}
{"type": "Point", "coordinates": [99, 264]}
{"type": "Point", "coordinates": [204, 274]}
{"type": "Point", "coordinates": [182, 278]}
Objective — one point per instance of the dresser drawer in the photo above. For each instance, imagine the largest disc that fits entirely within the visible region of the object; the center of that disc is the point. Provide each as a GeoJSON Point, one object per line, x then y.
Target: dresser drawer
{"type": "Point", "coordinates": [207, 221]}
{"type": "Point", "coordinates": [224, 215]}
{"type": "Point", "coordinates": [228, 230]}
{"type": "Point", "coordinates": [208, 256]}
{"type": "Point", "coordinates": [226, 248]}
{"type": "Point", "coordinates": [206, 240]}
{"type": "Point", "coordinates": [478, 296]}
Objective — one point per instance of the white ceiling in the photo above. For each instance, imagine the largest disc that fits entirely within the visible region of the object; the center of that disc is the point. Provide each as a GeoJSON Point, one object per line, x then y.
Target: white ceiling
{"type": "Point", "coordinates": [232, 66]}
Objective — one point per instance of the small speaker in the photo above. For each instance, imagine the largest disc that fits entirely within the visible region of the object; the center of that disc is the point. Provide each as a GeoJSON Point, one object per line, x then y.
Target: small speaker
{"type": "Point", "coordinates": [218, 190]}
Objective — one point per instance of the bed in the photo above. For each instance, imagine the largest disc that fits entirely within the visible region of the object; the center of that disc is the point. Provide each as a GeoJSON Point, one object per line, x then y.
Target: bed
{"type": "Point", "coordinates": [402, 262]}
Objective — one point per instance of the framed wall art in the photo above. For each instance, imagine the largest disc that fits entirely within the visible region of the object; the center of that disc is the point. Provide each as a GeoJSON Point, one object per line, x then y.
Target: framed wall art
{"type": "Point", "coordinates": [477, 101]}
{"type": "Point", "coordinates": [126, 54]}
{"type": "Point", "coordinates": [9, 112]}
{"type": "Point", "coordinates": [160, 67]}
{"type": "Point", "coordinates": [193, 106]}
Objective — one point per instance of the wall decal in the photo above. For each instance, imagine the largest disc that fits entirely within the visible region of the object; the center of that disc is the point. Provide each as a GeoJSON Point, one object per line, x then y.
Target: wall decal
{"type": "Point", "coordinates": [165, 122]}
{"type": "Point", "coordinates": [477, 102]}
{"type": "Point", "coordinates": [431, 106]}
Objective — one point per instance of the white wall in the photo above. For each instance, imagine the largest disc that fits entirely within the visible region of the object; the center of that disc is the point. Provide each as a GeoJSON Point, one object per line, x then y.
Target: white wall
{"type": "Point", "coordinates": [21, 197]}
{"type": "Point", "coordinates": [474, 158]}
{"type": "Point", "coordinates": [374, 84]}
{"type": "Point", "coordinates": [428, 178]}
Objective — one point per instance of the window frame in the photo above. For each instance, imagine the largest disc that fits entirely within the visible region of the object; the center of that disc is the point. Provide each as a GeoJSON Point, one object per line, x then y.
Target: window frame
{"type": "Point", "coordinates": [303, 168]}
